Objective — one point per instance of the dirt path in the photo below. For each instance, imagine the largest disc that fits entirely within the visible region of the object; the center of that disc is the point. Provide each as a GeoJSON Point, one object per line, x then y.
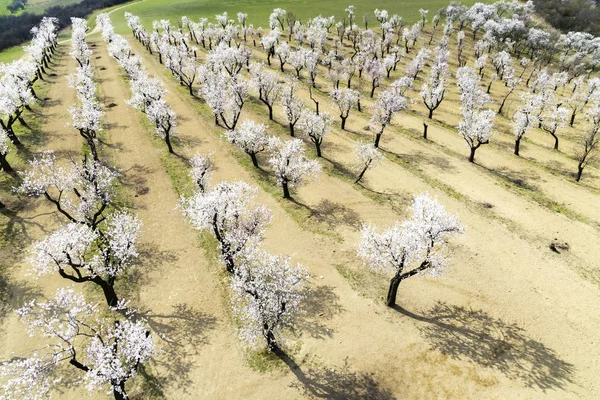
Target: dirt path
{"type": "Point", "coordinates": [508, 295]}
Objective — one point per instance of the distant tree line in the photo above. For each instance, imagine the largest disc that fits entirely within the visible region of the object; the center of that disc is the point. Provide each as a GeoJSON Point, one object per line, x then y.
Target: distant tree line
{"type": "Point", "coordinates": [16, 28]}
{"type": "Point", "coordinates": [16, 5]}
{"type": "Point", "coordinates": [571, 15]}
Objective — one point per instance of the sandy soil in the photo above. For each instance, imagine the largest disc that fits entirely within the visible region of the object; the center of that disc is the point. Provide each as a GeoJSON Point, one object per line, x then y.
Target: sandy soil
{"type": "Point", "coordinates": [510, 319]}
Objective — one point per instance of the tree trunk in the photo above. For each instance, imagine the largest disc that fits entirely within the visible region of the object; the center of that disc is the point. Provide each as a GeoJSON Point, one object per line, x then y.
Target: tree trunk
{"type": "Point", "coordinates": [373, 89]}
{"type": "Point", "coordinates": [318, 146]}
{"type": "Point", "coordinates": [13, 138]}
{"type": "Point", "coordinates": [291, 129]}
{"type": "Point", "coordinates": [119, 392]}
{"type": "Point", "coordinates": [229, 264]}
{"type": "Point", "coordinates": [517, 145]}
{"type": "Point", "coordinates": [271, 342]}
{"type": "Point", "coordinates": [168, 141]}
{"type": "Point", "coordinates": [425, 126]}
{"type": "Point", "coordinates": [109, 291]}
{"type": "Point", "coordinates": [254, 159]}
{"type": "Point", "coordinates": [5, 165]}
{"type": "Point", "coordinates": [579, 172]}
{"type": "Point", "coordinates": [286, 190]}
{"type": "Point", "coordinates": [362, 173]}
{"type": "Point", "coordinates": [572, 118]}
{"type": "Point", "coordinates": [270, 111]}
{"type": "Point", "coordinates": [430, 113]}
{"type": "Point", "coordinates": [393, 290]}
{"type": "Point", "coordinates": [344, 123]}
{"type": "Point", "coordinates": [472, 155]}
{"type": "Point", "coordinates": [555, 141]}
{"type": "Point", "coordinates": [377, 138]}
{"type": "Point", "coordinates": [502, 105]}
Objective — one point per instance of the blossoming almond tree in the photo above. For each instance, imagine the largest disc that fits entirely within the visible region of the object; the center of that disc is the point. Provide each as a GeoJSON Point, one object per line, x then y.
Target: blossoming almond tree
{"type": "Point", "coordinates": [107, 353]}
{"type": "Point", "coordinates": [411, 247]}
{"type": "Point", "coordinates": [345, 99]}
{"type": "Point", "coordinates": [81, 254]}
{"type": "Point", "coordinates": [249, 137]}
{"type": "Point", "coordinates": [524, 118]}
{"type": "Point", "coordinates": [368, 156]}
{"type": "Point", "coordinates": [316, 126]}
{"type": "Point", "coordinates": [388, 103]}
{"type": "Point", "coordinates": [553, 120]}
{"type": "Point", "coordinates": [80, 191]}
{"type": "Point", "coordinates": [201, 171]}
{"type": "Point", "coordinates": [164, 119]}
{"type": "Point", "coordinates": [292, 105]}
{"type": "Point", "coordinates": [290, 165]}
{"type": "Point", "coordinates": [476, 123]}
{"type": "Point", "coordinates": [589, 144]}
{"type": "Point", "coordinates": [4, 148]}
{"type": "Point", "coordinates": [267, 84]}
{"type": "Point", "coordinates": [225, 211]}
{"type": "Point", "coordinates": [268, 293]}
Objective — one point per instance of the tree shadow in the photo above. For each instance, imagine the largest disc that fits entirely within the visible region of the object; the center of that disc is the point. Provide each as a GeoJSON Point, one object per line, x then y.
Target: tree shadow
{"type": "Point", "coordinates": [431, 159]}
{"type": "Point", "coordinates": [335, 383]}
{"type": "Point", "coordinates": [463, 333]}
{"type": "Point", "coordinates": [13, 294]}
{"type": "Point", "coordinates": [182, 332]}
{"type": "Point", "coordinates": [334, 214]}
{"type": "Point", "coordinates": [14, 232]}
{"type": "Point", "coordinates": [322, 303]}
{"type": "Point", "coordinates": [136, 178]}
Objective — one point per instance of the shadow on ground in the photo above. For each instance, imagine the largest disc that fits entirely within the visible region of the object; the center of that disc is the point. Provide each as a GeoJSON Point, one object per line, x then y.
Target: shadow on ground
{"type": "Point", "coordinates": [473, 335]}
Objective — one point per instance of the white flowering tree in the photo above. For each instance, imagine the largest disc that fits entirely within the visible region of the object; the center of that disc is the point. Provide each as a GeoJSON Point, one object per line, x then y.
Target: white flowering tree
{"type": "Point", "coordinates": [80, 191]}
{"type": "Point", "coordinates": [345, 99]}
{"type": "Point", "coordinates": [415, 66]}
{"type": "Point", "coordinates": [315, 127]}
{"type": "Point", "coordinates": [107, 353]}
{"type": "Point", "coordinates": [79, 48]}
{"type": "Point", "coordinates": [524, 118]}
{"type": "Point", "coordinates": [4, 148]}
{"type": "Point", "coordinates": [367, 156]}
{"type": "Point", "coordinates": [414, 246]}
{"type": "Point", "coordinates": [226, 96]}
{"type": "Point", "coordinates": [250, 137]}
{"type": "Point", "coordinates": [553, 120]}
{"type": "Point", "coordinates": [268, 292]}
{"type": "Point", "coordinates": [292, 105]}
{"type": "Point", "coordinates": [476, 123]}
{"type": "Point", "coordinates": [267, 84]}
{"type": "Point", "coordinates": [201, 171]}
{"type": "Point", "coordinates": [15, 97]}
{"type": "Point", "coordinates": [164, 119]}
{"type": "Point", "coordinates": [81, 254]}
{"type": "Point", "coordinates": [388, 103]}
{"type": "Point", "coordinates": [588, 146]}
{"type": "Point", "coordinates": [225, 211]}
{"type": "Point", "coordinates": [290, 165]}
{"type": "Point", "coordinates": [434, 90]}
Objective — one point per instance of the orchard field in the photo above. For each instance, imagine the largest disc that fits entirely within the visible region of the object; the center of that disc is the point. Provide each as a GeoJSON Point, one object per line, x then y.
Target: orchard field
{"type": "Point", "coordinates": [196, 208]}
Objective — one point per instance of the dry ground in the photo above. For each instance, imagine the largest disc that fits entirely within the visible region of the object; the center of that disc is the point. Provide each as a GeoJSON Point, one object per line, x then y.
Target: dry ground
{"type": "Point", "coordinates": [510, 319]}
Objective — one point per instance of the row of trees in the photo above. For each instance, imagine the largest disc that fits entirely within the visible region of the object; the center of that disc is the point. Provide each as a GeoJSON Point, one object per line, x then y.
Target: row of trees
{"type": "Point", "coordinates": [95, 246]}
{"type": "Point", "coordinates": [238, 228]}
{"type": "Point", "coordinates": [267, 289]}
{"type": "Point", "coordinates": [16, 86]}
{"type": "Point", "coordinates": [225, 90]}
{"type": "Point", "coordinates": [375, 57]}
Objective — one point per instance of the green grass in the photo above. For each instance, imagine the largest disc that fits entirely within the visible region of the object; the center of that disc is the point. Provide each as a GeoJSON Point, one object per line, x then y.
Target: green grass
{"type": "Point", "coordinates": [258, 10]}
{"type": "Point", "coordinates": [34, 6]}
